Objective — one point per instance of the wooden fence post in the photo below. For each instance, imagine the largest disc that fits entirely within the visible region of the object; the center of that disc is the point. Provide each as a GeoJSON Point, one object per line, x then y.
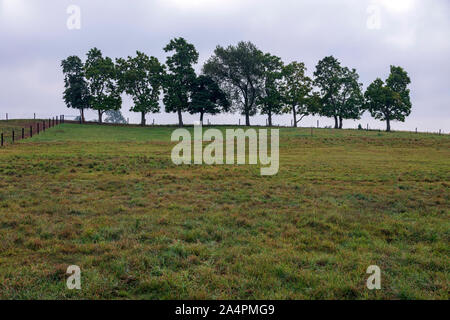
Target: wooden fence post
{"type": "Point", "coordinates": [1, 140]}
{"type": "Point", "coordinates": [43, 125]}
{"type": "Point", "coordinates": [31, 131]}
{"type": "Point", "coordinates": [23, 133]}
{"type": "Point", "coordinates": [13, 137]}
{"type": "Point", "coordinates": [37, 128]}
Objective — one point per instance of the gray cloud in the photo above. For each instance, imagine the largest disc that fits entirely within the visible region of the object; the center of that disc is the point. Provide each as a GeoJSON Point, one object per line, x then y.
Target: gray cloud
{"type": "Point", "coordinates": [413, 34]}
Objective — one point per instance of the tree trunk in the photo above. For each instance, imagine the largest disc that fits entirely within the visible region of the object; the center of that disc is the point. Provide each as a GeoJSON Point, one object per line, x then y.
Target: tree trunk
{"type": "Point", "coordinates": [142, 118]}
{"type": "Point", "coordinates": [336, 124]}
{"type": "Point", "coordinates": [82, 114]}
{"type": "Point", "coordinates": [100, 114]}
{"type": "Point", "coordinates": [295, 116]}
{"type": "Point", "coordinates": [388, 125]}
{"type": "Point", "coordinates": [201, 118]}
{"type": "Point", "coordinates": [340, 122]}
{"type": "Point", "coordinates": [270, 118]}
{"type": "Point", "coordinates": [180, 118]}
{"type": "Point", "coordinates": [247, 119]}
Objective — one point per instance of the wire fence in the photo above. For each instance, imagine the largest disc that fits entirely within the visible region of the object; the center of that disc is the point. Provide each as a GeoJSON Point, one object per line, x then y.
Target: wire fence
{"type": "Point", "coordinates": [15, 130]}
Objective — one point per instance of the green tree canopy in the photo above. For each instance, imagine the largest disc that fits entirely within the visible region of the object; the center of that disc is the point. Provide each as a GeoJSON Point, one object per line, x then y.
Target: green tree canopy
{"type": "Point", "coordinates": [76, 93]}
{"type": "Point", "coordinates": [350, 98]}
{"type": "Point", "coordinates": [207, 97]}
{"type": "Point", "coordinates": [240, 72]}
{"type": "Point", "coordinates": [340, 91]}
{"type": "Point", "coordinates": [327, 79]}
{"type": "Point", "coordinates": [142, 78]}
{"type": "Point", "coordinates": [270, 100]}
{"type": "Point", "coordinates": [296, 90]}
{"type": "Point", "coordinates": [391, 100]}
{"type": "Point", "coordinates": [102, 78]}
{"type": "Point", "coordinates": [179, 81]}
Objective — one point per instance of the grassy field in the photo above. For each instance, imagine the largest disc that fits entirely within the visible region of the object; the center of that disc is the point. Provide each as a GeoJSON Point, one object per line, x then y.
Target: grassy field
{"type": "Point", "coordinates": [109, 200]}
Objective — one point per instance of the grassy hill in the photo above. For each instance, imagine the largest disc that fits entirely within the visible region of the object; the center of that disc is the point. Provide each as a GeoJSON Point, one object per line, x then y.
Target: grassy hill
{"type": "Point", "coordinates": [110, 200]}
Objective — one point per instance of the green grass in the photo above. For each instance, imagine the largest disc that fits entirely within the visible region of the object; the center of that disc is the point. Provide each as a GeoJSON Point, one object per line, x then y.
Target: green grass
{"type": "Point", "coordinates": [110, 200]}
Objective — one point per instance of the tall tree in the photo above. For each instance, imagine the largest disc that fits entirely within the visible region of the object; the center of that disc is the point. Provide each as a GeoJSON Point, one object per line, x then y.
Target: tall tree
{"type": "Point", "coordinates": [102, 77]}
{"type": "Point", "coordinates": [207, 97]}
{"type": "Point", "coordinates": [340, 91]}
{"type": "Point", "coordinates": [350, 97]}
{"type": "Point", "coordinates": [76, 93]}
{"type": "Point", "coordinates": [179, 81]}
{"type": "Point", "coordinates": [328, 80]}
{"type": "Point", "coordinates": [270, 99]}
{"type": "Point", "coordinates": [391, 100]}
{"type": "Point", "coordinates": [296, 89]}
{"type": "Point", "coordinates": [142, 77]}
{"type": "Point", "coordinates": [240, 72]}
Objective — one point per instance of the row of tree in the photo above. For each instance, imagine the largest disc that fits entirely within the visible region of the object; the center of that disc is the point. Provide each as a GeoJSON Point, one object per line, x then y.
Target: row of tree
{"type": "Point", "coordinates": [236, 78]}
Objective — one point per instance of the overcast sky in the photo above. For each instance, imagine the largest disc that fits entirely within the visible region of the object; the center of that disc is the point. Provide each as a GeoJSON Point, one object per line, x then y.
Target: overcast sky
{"type": "Point", "coordinates": [369, 35]}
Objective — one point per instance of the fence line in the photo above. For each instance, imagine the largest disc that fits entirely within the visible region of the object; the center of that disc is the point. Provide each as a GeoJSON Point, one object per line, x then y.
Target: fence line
{"type": "Point", "coordinates": [61, 119]}
{"type": "Point", "coordinates": [36, 128]}
{"type": "Point", "coordinates": [208, 123]}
